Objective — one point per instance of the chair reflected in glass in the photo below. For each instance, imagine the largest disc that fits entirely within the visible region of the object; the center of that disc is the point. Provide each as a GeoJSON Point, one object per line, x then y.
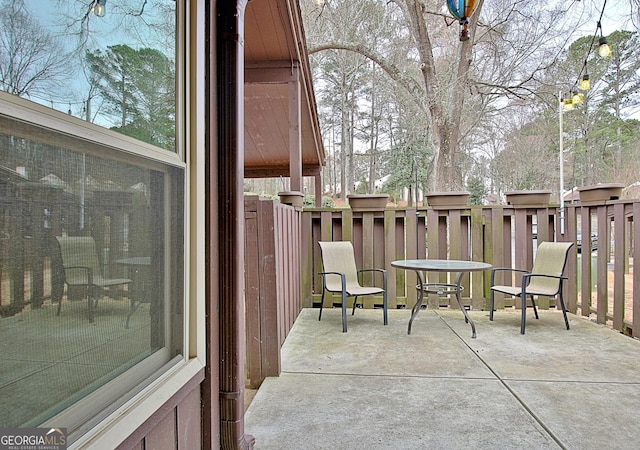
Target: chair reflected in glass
{"type": "Point", "coordinates": [545, 279]}
{"type": "Point", "coordinates": [341, 275]}
{"type": "Point", "coordinates": [138, 270]}
{"type": "Point", "coordinates": [81, 268]}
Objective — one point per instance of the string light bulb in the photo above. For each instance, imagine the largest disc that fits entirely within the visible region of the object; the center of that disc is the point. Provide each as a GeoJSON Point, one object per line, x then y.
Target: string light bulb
{"type": "Point", "coordinates": [98, 7]}
{"type": "Point", "coordinates": [585, 82]}
{"type": "Point", "coordinates": [567, 104]}
{"type": "Point", "coordinates": [577, 98]}
{"type": "Point", "coordinates": [603, 47]}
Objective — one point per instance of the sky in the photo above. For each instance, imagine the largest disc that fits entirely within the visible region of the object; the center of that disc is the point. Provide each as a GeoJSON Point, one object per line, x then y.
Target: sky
{"type": "Point", "coordinates": [120, 25]}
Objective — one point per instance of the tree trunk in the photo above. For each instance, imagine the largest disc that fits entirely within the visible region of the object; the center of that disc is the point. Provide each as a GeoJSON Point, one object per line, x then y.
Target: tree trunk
{"type": "Point", "coordinates": [445, 113]}
{"type": "Point", "coordinates": [374, 135]}
{"type": "Point", "coordinates": [344, 146]}
{"type": "Point", "coordinates": [351, 173]}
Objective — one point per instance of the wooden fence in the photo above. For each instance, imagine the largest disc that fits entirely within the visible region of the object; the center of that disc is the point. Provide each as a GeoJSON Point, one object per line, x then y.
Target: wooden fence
{"type": "Point", "coordinates": [282, 261]}
{"type": "Point", "coordinates": [272, 283]}
{"type": "Point", "coordinates": [602, 286]}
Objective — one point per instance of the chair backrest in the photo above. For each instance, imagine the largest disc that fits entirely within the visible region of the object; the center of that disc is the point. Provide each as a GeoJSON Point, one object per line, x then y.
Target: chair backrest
{"type": "Point", "coordinates": [551, 259]}
{"type": "Point", "coordinates": [338, 257]}
{"type": "Point", "coordinates": [79, 251]}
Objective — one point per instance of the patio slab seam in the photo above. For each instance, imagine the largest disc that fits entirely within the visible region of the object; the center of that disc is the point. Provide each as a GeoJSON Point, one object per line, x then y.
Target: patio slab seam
{"type": "Point", "coordinates": [386, 375]}
{"type": "Point", "coordinates": [539, 420]}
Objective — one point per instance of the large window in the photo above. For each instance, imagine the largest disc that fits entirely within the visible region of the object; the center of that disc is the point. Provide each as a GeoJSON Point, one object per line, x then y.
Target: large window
{"type": "Point", "coordinates": [116, 70]}
{"type": "Point", "coordinates": [91, 208]}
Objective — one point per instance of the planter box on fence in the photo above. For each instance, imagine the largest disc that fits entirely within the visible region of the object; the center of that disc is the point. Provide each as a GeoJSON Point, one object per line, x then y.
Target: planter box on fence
{"type": "Point", "coordinates": [293, 198]}
{"type": "Point", "coordinates": [448, 200]}
{"type": "Point", "coordinates": [600, 193]}
{"type": "Point", "coordinates": [368, 202]}
{"type": "Point", "coordinates": [528, 199]}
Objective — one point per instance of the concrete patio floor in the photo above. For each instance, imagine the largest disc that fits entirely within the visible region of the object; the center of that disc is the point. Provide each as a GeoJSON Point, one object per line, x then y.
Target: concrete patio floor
{"type": "Point", "coordinates": [376, 387]}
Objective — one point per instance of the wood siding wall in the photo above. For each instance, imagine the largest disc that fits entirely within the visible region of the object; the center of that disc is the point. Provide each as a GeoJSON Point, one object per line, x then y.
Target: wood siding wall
{"type": "Point", "coordinates": [272, 282]}
{"type": "Point", "coordinates": [177, 425]}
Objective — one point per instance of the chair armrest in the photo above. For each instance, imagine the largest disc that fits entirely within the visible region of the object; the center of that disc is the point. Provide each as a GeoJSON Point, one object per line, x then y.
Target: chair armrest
{"type": "Point", "coordinates": [503, 269]}
{"type": "Point", "coordinates": [382, 271]}
{"type": "Point", "coordinates": [88, 269]}
{"type": "Point", "coordinates": [343, 278]}
{"type": "Point", "coordinates": [508, 269]}
{"type": "Point", "coordinates": [540, 275]}
{"type": "Point", "coordinates": [372, 270]}
{"type": "Point", "coordinates": [331, 273]}
{"type": "Point", "coordinates": [527, 278]}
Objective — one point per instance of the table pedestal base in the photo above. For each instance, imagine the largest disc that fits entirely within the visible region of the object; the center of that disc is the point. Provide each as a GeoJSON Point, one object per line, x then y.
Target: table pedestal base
{"type": "Point", "coordinates": [441, 288]}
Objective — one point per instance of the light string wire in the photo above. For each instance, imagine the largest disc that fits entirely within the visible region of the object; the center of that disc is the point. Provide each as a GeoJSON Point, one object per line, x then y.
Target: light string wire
{"type": "Point", "coordinates": [593, 38]}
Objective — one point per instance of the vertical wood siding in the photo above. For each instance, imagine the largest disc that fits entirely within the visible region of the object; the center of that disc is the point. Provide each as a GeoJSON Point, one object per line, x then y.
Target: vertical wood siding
{"type": "Point", "coordinates": [176, 425]}
{"type": "Point", "coordinates": [273, 282]}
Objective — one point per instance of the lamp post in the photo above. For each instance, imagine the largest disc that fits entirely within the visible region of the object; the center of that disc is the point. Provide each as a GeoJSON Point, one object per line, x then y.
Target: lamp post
{"type": "Point", "coordinates": [561, 156]}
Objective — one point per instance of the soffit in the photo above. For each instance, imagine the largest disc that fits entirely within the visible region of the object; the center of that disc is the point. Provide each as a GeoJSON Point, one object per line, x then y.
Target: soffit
{"type": "Point", "coordinates": [275, 51]}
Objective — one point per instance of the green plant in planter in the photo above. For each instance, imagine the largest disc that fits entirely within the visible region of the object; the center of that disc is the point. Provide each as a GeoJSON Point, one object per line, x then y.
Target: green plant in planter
{"type": "Point", "coordinates": [477, 190]}
{"type": "Point", "coordinates": [310, 201]}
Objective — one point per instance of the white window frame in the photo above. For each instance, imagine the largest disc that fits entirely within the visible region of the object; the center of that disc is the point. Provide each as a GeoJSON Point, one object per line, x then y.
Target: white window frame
{"type": "Point", "coordinates": [191, 146]}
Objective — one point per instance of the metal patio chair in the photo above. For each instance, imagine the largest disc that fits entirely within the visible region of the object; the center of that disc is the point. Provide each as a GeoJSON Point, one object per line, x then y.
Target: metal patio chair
{"type": "Point", "coordinates": [341, 275]}
{"type": "Point", "coordinates": [81, 267]}
{"type": "Point", "coordinates": [545, 279]}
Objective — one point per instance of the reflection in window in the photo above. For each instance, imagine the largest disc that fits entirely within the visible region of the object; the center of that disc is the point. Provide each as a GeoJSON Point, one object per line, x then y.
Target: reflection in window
{"type": "Point", "coordinates": [117, 71]}
{"type": "Point", "coordinates": [85, 243]}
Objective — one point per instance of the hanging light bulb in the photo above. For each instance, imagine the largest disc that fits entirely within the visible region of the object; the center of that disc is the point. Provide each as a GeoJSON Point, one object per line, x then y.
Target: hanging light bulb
{"type": "Point", "coordinates": [567, 104]}
{"type": "Point", "coordinates": [98, 7]}
{"type": "Point", "coordinates": [577, 98]}
{"type": "Point", "coordinates": [585, 82]}
{"type": "Point", "coordinates": [603, 47]}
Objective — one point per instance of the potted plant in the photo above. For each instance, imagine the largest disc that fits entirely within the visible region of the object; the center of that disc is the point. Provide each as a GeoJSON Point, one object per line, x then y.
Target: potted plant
{"type": "Point", "coordinates": [293, 198]}
{"type": "Point", "coordinates": [600, 193]}
{"type": "Point", "coordinates": [448, 200]}
{"type": "Point", "coordinates": [528, 199]}
{"type": "Point", "coordinates": [368, 202]}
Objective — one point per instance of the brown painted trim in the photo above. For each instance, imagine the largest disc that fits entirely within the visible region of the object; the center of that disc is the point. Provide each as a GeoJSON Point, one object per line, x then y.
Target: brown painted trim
{"type": "Point", "coordinates": [279, 170]}
{"type": "Point", "coordinates": [230, 219]}
{"type": "Point", "coordinates": [295, 134]}
{"type": "Point", "coordinates": [210, 386]}
{"type": "Point", "coordinates": [272, 75]}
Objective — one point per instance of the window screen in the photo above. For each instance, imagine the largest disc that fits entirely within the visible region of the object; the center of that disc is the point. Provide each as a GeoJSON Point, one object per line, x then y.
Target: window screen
{"type": "Point", "coordinates": [88, 246]}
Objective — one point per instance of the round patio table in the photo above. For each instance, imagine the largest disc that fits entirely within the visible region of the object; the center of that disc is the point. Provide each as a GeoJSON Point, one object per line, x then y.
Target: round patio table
{"type": "Point", "coordinates": [455, 266]}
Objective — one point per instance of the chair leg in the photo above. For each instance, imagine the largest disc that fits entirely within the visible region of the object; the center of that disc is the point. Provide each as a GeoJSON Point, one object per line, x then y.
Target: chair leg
{"type": "Point", "coordinates": [355, 302]}
{"type": "Point", "coordinates": [535, 310]}
{"type": "Point", "coordinates": [564, 310]}
{"type": "Point", "coordinates": [134, 307]}
{"type": "Point", "coordinates": [344, 311]}
{"type": "Point", "coordinates": [523, 320]}
{"type": "Point", "coordinates": [384, 308]}
{"type": "Point", "coordinates": [60, 302]}
{"type": "Point", "coordinates": [491, 305]}
{"type": "Point", "coordinates": [91, 305]}
{"type": "Point", "coordinates": [491, 294]}
{"type": "Point", "coordinates": [321, 303]}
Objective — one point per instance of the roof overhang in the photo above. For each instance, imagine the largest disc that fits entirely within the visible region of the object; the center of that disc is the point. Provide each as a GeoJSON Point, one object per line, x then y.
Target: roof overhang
{"type": "Point", "coordinates": [277, 81]}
